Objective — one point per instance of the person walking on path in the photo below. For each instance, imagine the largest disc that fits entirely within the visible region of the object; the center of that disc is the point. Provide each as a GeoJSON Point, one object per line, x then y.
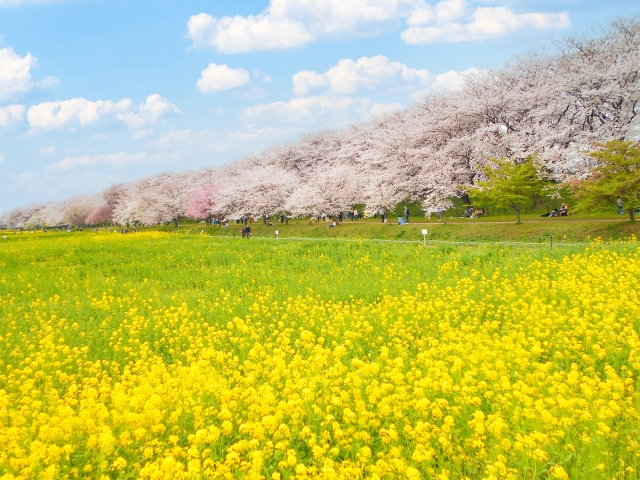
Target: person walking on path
{"type": "Point", "coordinates": [383, 212]}
{"type": "Point", "coordinates": [620, 206]}
{"type": "Point", "coordinates": [407, 212]}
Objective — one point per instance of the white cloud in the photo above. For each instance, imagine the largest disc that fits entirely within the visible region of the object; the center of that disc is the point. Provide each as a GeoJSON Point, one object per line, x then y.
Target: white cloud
{"type": "Point", "coordinates": [294, 23]}
{"type": "Point", "coordinates": [140, 134]}
{"type": "Point", "coordinates": [258, 74]}
{"type": "Point", "coordinates": [48, 150]}
{"type": "Point", "coordinates": [11, 114]}
{"type": "Point", "coordinates": [430, 25]}
{"type": "Point", "coordinates": [217, 78]}
{"type": "Point", "coordinates": [314, 109]}
{"type": "Point", "coordinates": [450, 80]}
{"type": "Point", "coordinates": [174, 137]}
{"type": "Point", "coordinates": [77, 111]}
{"type": "Point", "coordinates": [120, 160]}
{"type": "Point", "coordinates": [383, 108]}
{"type": "Point", "coordinates": [366, 73]}
{"type": "Point", "coordinates": [376, 73]}
{"type": "Point", "coordinates": [15, 75]}
{"type": "Point", "coordinates": [254, 92]}
{"type": "Point", "coordinates": [240, 34]}
{"type": "Point", "coordinates": [82, 112]}
{"type": "Point", "coordinates": [1, 158]}
{"type": "Point", "coordinates": [154, 109]}
{"type": "Point", "coordinates": [198, 139]}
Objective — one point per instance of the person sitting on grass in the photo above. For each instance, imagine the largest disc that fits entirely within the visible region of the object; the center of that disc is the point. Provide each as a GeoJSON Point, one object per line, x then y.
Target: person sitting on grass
{"type": "Point", "coordinates": [478, 213]}
{"type": "Point", "coordinates": [400, 220]}
{"type": "Point", "coordinates": [564, 210]}
{"type": "Point", "coordinates": [332, 224]}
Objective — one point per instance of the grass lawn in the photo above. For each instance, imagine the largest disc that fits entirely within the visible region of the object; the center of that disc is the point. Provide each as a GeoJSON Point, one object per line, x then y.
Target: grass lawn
{"type": "Point", "coordinates": [575, 228]}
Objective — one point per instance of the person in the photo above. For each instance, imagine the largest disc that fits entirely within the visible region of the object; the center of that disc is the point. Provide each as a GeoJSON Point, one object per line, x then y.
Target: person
{"type": "Point", "coordinates": [355, 214]}
{"type": "Point", "coordinates": [243, 231]}
{"type": "Point", "coordinates": [332, 224]}
{"type": "Point", "coordinates": [468, 212]}
{"type": "Point", "coordinates": [269, 222]}
{"type": "Point", "coordinates": [564, 210]}
{"type": "Point", "coordinates": [478, 213]}
{"type": "Point", "coordinates": [400, 220]}
{"type": "Point", "coordinates": [383, 212]}
{"type": "Point", "coordinates": [247, 232]}
{"type": "Point", "coordinates": [620, 206]}
{"type": "Point", "coordinates": [407, 212]}
{"type": "Point", "coordinates": [439, 215]}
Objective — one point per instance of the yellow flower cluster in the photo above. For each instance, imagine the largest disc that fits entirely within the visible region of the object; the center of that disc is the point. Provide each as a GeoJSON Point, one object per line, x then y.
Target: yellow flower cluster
{"type": "Point", "coordinates": [530, 375]}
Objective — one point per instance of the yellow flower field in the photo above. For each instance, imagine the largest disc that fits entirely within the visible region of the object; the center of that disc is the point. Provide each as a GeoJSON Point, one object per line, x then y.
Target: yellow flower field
{"type": "Point", "coordinates": [159, 356]}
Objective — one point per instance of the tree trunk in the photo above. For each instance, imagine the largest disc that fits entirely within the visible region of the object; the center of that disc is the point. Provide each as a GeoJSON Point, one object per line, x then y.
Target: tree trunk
{"type": "Point", "coordinates": [466, 199]}
{"type": "Point", "coordinates": [632, 215]}
{"type": "Point", "coordinates": [517, 208]}
{"type": "Point", "coordinates": [537, 201]}
{"type": "Point", "coordinates": [175, 222]}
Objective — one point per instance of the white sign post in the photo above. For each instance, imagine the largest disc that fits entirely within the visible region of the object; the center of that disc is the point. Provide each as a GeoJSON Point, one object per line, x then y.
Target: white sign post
{"type": "Point", "coordinates": [277, 232]}
{"type": "Point", "coordinates": [424, 236]}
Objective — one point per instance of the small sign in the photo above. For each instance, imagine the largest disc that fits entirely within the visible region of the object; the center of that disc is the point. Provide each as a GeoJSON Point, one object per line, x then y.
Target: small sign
{"type": "Point", "coordinates": [424, 231]}
{"type": "Point", "coordinates": [277, 232]}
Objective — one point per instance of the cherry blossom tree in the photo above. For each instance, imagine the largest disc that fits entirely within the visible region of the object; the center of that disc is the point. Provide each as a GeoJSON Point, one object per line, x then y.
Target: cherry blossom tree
{"type": "Point", "coordinates": [76, 215]}
{"type": "Point", "coordinates": [200, 203]}
{"type": "Point", "coordinates": [100, 215]}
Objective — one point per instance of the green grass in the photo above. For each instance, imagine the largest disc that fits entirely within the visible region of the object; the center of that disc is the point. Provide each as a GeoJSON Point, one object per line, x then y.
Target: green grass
{"type": "Point", "coordinates": [576, 228]}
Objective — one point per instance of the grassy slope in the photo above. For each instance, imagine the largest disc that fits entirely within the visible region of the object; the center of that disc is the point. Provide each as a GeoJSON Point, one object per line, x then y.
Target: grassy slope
{"type": "Point", "coordinates": [533, 229]}
{"type": "Point", "coordinates": [495, 228]}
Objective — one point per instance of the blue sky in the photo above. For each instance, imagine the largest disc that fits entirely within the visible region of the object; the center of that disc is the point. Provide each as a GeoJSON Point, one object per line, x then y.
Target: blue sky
{"type": "Point", "coordinates": [94, 92]}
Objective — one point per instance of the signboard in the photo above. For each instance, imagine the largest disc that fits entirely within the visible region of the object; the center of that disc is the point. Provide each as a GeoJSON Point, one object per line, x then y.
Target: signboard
{"type": "Point", "coordinates": [424, 231]}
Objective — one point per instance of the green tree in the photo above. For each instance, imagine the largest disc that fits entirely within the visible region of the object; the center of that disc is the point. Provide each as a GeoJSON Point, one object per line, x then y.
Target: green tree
{"type": "Point", "coordinates": [510, 184]}
{"type": "Point", "coordinates": [616, 177]}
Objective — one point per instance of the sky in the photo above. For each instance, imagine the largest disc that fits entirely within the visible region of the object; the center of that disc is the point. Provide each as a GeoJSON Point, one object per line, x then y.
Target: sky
{"type": "Point", "coordinates": [97, 92]}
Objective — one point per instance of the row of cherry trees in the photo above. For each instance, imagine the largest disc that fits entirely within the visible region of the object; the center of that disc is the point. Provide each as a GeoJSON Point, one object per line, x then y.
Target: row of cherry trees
{"type": "Point", "coordinates": [556, 104]}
